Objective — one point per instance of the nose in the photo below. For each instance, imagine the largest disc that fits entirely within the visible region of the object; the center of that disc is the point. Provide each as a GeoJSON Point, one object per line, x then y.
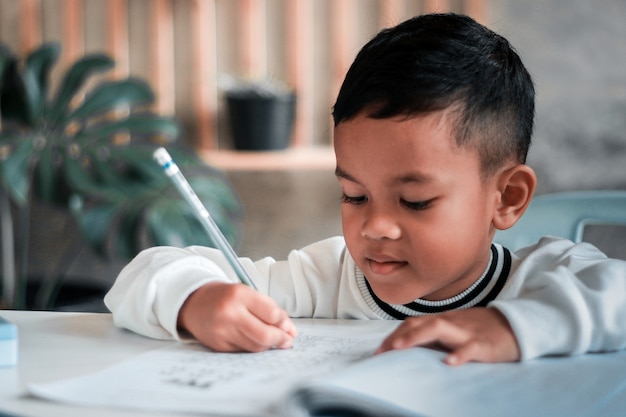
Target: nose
{"type": "Point", "coordinates": [380, 225]}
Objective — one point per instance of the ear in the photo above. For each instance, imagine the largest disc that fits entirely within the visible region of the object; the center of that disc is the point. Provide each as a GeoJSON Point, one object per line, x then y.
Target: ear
{"type": "Point", "coordinates": [516, 186]}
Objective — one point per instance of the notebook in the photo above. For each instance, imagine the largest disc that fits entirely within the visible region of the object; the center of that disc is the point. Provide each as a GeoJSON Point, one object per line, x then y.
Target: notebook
{"type": "Point", "coordinates": [332, 371]}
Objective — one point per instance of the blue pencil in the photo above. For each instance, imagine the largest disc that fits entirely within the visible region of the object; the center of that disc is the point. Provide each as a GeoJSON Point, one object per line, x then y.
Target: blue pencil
{"type": "Point", "coordinates": [173, 172]}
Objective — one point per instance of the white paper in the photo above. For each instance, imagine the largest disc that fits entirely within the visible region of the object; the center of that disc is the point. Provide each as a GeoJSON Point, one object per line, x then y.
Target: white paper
{"type": "Point", "coordinates": [416, 383]}
{"type": "Point", "coordinates": [190, 378]}
{"type": "Point", "coordinates": [332, 366]}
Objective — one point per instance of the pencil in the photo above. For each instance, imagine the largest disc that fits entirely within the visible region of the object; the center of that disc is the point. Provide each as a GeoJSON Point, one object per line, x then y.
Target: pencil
{"type": "Point", "coordinates": [170, 168]}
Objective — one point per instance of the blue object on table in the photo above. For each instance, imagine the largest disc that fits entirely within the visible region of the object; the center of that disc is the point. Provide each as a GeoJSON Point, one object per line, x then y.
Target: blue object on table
{"type": "Point", "coordinates": [8, 343]}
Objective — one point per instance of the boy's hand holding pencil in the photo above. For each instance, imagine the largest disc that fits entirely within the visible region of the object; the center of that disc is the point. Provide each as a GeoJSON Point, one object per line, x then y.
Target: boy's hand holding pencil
{"type": "Point", "coordinates": [227, 317]}
{"type": "Point", "coordinates": [234, 317]}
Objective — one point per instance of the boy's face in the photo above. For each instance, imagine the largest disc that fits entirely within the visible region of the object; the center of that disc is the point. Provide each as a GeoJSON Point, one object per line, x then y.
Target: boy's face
{"type": "Point", "coordinates": [416, 214]}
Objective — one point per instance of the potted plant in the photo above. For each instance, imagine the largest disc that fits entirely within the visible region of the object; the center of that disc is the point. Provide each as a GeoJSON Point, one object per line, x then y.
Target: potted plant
{"type": "Point", "coordinates": [88, 148]}
{"type": "Point", "coordinates": [261, 114]}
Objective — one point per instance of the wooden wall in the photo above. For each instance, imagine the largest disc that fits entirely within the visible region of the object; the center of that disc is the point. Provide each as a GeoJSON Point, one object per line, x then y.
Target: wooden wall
{"type": "Point", "coordinates": [183, 48]}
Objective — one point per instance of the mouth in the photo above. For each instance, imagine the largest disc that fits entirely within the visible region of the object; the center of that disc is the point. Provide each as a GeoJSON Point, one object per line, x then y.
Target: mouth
{"type": "Point", "coordinates": [382, 266]}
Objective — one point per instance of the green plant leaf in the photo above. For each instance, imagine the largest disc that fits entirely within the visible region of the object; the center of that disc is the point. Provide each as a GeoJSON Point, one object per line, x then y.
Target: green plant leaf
{"type": "Point", "coordinates": [216, 189]}
{"type": "Point", "coordinates": [41, 60]}
{"type": "Point", "coordinates": [74, 80]}
{"type": "Point", "coordinates": [126, 242]}
{"type": "Point", "coordinates": [136, 171]}
{"type": "Point", "coordinates": [129, 180]}
{"type": "Point", "coordinates": [14, 172]}
{"type": "Point", "coordinates": [112, 229]}
{"type": "Point", "coordinates": [172, 223]}
{"type": "Point", "coordinates": [112, 95]}
{"type": "Point", "coordinates": [140, 158]}
{"type": "Point", "coordinates": [120, 197]}
{"type": "Point", "coordinates": [36, 74]}
{"type": "Point", "coordinates": [140, 124]}
{"type": "Point", "coordinates": [83, 182]}
{"type": "Point", "coordinates": [157, 211]}
{"type": "Point", "coordinates": [46, 175]}
{"type": "Point", "coordinates": [95, 223]}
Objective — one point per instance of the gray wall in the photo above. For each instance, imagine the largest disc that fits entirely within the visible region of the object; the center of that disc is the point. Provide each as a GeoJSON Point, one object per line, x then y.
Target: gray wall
{"type": "Point", "coordinates": [576, 52]}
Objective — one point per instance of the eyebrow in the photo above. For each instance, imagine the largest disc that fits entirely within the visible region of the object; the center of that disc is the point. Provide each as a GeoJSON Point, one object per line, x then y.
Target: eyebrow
{"type": "Point", "coordinates": [340, 173]}
{"type": "Point", "coordinates": [412, 177]}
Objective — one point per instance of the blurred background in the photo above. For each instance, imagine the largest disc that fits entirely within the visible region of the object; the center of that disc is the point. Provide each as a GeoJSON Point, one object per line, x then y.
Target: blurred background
{"type": "Point", "coordinates": [193, 52]}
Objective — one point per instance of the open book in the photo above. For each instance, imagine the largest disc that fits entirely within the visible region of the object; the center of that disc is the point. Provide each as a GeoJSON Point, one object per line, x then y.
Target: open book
{"type": "Point", "coordinates": [331, 372]}
{"type": "Point", "coordinates": [416, 382]}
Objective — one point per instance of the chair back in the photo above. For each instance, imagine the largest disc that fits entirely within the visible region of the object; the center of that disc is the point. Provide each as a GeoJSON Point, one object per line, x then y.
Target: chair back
{"type": "Point", "coordinates": [565, 214]}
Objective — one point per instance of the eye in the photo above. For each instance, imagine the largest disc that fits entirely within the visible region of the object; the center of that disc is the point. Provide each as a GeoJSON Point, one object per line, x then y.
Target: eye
{"type": "Point", "coordinates": [417, 205]}
{"type": "Point", "coordinates": [353, 199]}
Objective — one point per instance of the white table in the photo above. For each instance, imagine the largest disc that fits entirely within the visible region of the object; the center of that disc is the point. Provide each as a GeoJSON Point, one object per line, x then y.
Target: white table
{"type": "Point", "coordinates": [55, 346]}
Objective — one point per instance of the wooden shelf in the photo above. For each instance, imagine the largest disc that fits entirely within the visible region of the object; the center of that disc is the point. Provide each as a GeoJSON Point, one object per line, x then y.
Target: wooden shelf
{"type": "Point", "coordinates": [322, 158]}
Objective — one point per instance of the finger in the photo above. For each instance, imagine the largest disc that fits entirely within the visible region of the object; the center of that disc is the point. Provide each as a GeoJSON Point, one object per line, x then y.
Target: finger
{"type": "Point", "coordinates": [249, 335]}
{"type": "Point", "coordinates": [237, 329]}
{"type": "Point", "coordinates": [399, 338]}
{"type": "Point", "coordinates": [288, 326]}
{"type": "Point", "coordinates": [255, 335]}
{"type": "Point", "coordinates": [263, 338]}
{"type": "Point", "coordinates": [483, 350]}
{"type": "Point", "coordinates": [471, 351]}
{"type": "Point", "coordinates": [265, 309]}
{"type": "Point", "coordinates": [269, 312]}
{"type": "Point", "coordinates": [426, 331]}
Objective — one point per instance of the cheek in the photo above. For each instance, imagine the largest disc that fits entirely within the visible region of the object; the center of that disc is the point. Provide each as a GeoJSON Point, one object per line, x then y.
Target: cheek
{"type": "Point", "coordinates": [466, 220]}
{"type": "Point", "coordinates": [442, 228]}
{"type": "Point", "coordinates": [350, 225]}
{"type": "Point", "coordinates": [347, 220]}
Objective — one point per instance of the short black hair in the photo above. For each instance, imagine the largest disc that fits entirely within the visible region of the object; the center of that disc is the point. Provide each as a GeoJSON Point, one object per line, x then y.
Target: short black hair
{"type": "Point", "coordinates": [446, 61]}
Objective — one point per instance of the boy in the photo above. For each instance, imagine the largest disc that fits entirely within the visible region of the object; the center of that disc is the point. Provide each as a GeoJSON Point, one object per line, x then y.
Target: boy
{"type": "Point", "coordinates": [432, 126]}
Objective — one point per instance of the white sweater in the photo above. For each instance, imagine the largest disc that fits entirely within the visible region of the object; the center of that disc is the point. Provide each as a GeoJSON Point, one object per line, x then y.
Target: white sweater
{"type": "Point", "coordinates": [559, 297]}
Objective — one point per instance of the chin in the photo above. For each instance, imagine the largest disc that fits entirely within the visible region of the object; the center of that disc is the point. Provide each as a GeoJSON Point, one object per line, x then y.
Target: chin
{"type": "Point", "coordinates": [397, 300]}
{"type": "Point", "coordinates": [396, 294]}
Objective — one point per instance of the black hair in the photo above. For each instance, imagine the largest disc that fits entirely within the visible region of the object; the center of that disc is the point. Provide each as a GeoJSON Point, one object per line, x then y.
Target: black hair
{"type": "Point", "coordinates": [446, 61]}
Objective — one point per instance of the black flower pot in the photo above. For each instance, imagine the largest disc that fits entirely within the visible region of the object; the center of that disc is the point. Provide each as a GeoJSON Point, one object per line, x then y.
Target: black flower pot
{"type": "Point", "coordinates": [261, 122]}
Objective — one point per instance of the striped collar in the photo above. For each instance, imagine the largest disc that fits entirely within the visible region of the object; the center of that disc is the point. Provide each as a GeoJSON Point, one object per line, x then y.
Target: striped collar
{"type": "Point", "coordinates": [484, 290]}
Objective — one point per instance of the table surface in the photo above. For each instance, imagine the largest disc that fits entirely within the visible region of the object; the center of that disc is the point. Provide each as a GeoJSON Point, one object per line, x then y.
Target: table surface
{"type": "Point", "coordinates": [53, 346]}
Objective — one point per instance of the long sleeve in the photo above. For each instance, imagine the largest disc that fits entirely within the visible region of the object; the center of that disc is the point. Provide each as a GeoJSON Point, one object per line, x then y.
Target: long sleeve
{"type": "Point", "coordinates": [560, 298]}
{"type": "Point", "coordinates": [565, 298]}
{"type": "Point", "coordinates": [150, 290]}
{"type": "Point", "coordinates": [316, 281]}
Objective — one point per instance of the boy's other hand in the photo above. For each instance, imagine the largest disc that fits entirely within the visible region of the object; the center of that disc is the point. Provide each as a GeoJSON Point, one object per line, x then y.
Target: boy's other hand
{"type": "Point", "coordinates": [234, 317]}
{"type": "Point", "coordinates": [476, 334]}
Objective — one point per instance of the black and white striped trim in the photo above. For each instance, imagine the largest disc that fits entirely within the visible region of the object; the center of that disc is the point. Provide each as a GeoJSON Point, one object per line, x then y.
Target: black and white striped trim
{"type": "Point", "coordinates": [480, 293]}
